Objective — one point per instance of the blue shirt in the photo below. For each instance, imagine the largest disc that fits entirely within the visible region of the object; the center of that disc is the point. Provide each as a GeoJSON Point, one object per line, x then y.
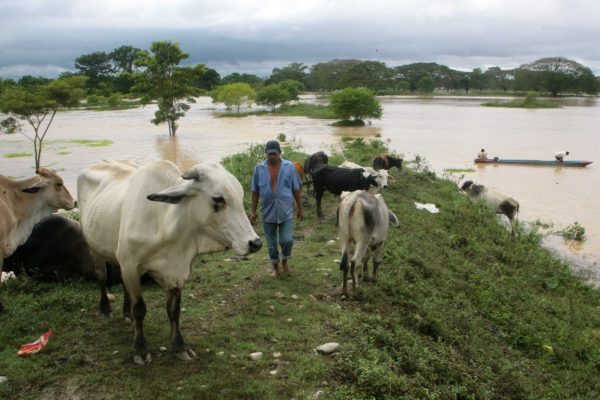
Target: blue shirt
{"type": "Point", "coordinates": [276, 206]}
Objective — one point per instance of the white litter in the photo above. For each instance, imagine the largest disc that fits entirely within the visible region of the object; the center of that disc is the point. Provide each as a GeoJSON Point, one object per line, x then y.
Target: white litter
{"type": "Point", "coordinates": [429, 207]}
{"type": "Point", "coordinates": [6, 276]}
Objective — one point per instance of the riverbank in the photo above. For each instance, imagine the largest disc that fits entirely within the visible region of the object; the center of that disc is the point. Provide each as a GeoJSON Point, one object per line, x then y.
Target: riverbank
{"type": "Point", "coordinates": [462, 310]}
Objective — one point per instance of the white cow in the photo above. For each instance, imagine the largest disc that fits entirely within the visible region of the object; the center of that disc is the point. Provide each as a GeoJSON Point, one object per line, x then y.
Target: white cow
{"type": "Point", "coordinates": [381, 176]}
{"type": "Point", "coordinates": [24, 203]}
{"type": "Point", "coordinates": [500, 203]}
{"type": "Point", "coordinates": [151, 219]}
{"type": "Point", "coordinates": [363, 221]}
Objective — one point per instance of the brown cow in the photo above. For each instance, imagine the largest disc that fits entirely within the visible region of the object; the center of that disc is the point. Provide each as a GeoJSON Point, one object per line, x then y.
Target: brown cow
{"type": "Point", "coordinates": [299, 170]}
{"type": "Point", "coordinates": [25, 202]}
{"type": "Point", "coordinates": [387, 162]}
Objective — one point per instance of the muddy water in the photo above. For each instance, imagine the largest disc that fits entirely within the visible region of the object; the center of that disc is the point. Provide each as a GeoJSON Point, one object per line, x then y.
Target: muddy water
{"type": "Point", "coordinates": [447, 131]}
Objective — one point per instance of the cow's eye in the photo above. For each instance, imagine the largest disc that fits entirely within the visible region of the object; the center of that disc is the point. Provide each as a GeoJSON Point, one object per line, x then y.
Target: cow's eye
{"type": "Point", "coordinates": [59, 184]}
{"type": "Point", "coordinates": [219, 203]}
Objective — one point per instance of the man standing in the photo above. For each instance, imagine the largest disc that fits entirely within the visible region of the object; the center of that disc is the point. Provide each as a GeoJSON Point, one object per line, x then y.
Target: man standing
{"type": "Point", "coordinates": [276, 182]}
{"type": "Point", "coordinates": [560, 155]}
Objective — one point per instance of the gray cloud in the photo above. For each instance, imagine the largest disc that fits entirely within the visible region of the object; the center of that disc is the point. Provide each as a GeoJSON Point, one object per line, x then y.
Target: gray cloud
{"type": "Point", "coordinates": [44, 37]}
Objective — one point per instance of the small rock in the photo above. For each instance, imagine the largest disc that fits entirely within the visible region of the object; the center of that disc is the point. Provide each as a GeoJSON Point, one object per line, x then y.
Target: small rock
{"type": "Point", "coordinates": [3, 379]}
{"type": "Point", "coordinates": [301, 306]}
{"type": "Point", "coordinates": [276, 354]}
{"type": "Point", "coordinates": [233, 356]}
{"type": "Point", "coordinates": [192, 296]}
{"type": "Point", "coordinates": [115, 352]}
{"type": "Point", "coordinates": [223, 302]}
{"type": "Point", "coordinates": [183, 309]}
{"type": "Point", "coordinates": [162, 348]}
{"type": "Point", "coordinates": [331, 242]}
{"type": "Point", "coordinates": [295, 296]}
{"type": "Point", "coordinates": [327, 348]}
{"type": "Point", "coordinates": [273, 372]}
{"type": "Point", "coordinates": [256, 356]}
{"type": "Point", "coordinates": [289, 320]}
{"type": "Point", "coordinates": [111, 297]}
{"type": "Point", "coordinates": [179, 388]}
{"type": "Point", "coordinates": [272, 308]}
{"type": "Point", "coordinates": [221, 353]}
{"type": "Point", "coordinates": [82, 310]}
{"type": "Point", "coordinates": [317, 394]}
{"type": "Point", "coordinates": [337, 261]}
{"type": "Point", "coordinates": [280, 295]}
{"type": "Point", "coordinates": [324, 383]}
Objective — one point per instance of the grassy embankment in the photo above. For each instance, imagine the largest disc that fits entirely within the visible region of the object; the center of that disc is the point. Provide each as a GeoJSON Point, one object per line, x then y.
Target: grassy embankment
{"type": "Point", "coordinates": [530, 101]}
{"type": "Point", "coordinates": [295, 110]}
{"type": "Point", "coordinates": [462, 310]}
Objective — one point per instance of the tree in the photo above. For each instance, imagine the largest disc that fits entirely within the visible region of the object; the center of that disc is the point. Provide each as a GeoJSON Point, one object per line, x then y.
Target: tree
{"type": "Point", "coordinates": [374, 75]}
{"type": "Point", "coordinates": [96, 66]}
{"type": "Point", "coordinates": [356, 103]}
{"type": "Point", "coordinates": [234, 95]}
{"type": "Point", "coordinates": [236, 77]}
{"type": "Point", "coordinates": [272, 95]}
{"type": "Point", "coordinates": [209, 79]}
{"type": "Point", "coordinates": [426, 85]}
{"type": "Point", "coordinates": [555, 75]}
{"type": "Point", "coordinates": [326, 76]}
{"type": "Point", "coordinates": [294, 71]}
{"type": "Point", "coordinates": [124, 57]}
{"type": "Point", "coordinates": [172, 87]}
{"type": "Point", "coordinates": [39, 105]}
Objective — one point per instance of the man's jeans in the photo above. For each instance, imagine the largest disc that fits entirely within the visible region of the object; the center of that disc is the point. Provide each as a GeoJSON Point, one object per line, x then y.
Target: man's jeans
{"type": "Point", "coordinates": [286, 240]}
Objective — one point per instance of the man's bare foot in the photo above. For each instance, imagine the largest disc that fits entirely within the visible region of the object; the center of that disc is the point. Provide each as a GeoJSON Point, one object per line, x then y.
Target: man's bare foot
{"type": "Point", "coordinates": [275, 271]}
{"type": "Point", "coordinates": [286, 268]}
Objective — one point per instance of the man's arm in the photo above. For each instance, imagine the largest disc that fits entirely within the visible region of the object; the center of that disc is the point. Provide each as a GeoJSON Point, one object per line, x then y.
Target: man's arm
{"type": "Point", "coordinates": [255, 197]}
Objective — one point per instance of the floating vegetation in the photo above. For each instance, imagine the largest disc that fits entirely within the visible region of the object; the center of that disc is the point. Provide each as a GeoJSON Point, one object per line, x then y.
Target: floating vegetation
{"type": "Point", "coordinates": [92, 143]}
{"type": "Point", "coordinates": [459, 170]}
{"type": "Point", "coordinates": [16, 155]}
{"type": "Point", "coordinates": [573, 232]}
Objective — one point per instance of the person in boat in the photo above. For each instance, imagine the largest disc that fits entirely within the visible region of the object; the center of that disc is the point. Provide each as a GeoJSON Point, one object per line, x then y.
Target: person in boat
{"type": "Point", "coordinates": [482, 155]}
{"type": "Point", "coordinates": [560, 155]}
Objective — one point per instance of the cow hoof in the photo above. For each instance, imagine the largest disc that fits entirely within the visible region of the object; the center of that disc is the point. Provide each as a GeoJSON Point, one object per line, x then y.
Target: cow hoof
{"type": "Point", "coordinates": [142, 360]}
{"type": "Point", "coordinates": [186, 355]}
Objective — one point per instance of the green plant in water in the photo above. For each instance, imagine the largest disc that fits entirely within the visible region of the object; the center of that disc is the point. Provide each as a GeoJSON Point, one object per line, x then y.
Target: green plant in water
{"type": "Point", "coordinates": [281, 137]}
{"type": "Point", "coordinates": [16, 155]}
{"type": "Point", "coordinates": [573, 232]}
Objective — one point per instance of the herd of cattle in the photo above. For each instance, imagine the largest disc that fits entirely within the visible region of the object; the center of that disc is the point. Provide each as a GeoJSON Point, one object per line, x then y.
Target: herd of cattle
{"type": "Point", "coordinates": [152, 219]}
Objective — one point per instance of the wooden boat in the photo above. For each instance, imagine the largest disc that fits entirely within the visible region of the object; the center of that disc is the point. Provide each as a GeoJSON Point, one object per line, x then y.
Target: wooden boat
{"type": "Point", "coordinates": [551, 163]}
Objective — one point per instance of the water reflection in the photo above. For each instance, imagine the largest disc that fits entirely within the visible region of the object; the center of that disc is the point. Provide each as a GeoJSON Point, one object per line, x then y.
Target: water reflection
{"type": "Point", "coordinates": [169, 148]}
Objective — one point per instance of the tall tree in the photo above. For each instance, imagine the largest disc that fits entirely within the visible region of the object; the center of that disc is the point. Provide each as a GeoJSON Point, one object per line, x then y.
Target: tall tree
{"type": "Point", "coordinates": [209, 79]}
{"type": "Point", "coordinates": [171, 86]}
{"type": "Point", "coordinates": [294, 71]}
{"type": "Point", "coordinates": [38, 106]}
{"type": "Point", "coordinates": [326, 76]}
{"type": "Point", "coordinates": [374, 75]}
{"type": "Point", "coordinates": [96, 66]}
{"type": "Point", "coordinates": [555, 75]}
{"type": "Point", "coordinates": [123, 58]}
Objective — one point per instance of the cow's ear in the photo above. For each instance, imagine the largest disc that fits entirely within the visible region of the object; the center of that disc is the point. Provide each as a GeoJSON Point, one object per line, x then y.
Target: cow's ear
{"type": "Point", "coordinates": [193, 173]}
{"type": "Point", "coordinates": [172, 195]}
{"type": "Point", "coordinates": [34, 188]}
{"type": "Point", "coordinates": [393, 219]}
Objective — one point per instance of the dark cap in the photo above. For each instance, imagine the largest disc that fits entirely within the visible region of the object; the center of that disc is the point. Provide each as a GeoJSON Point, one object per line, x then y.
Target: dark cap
{"type": "Point", "coordinates": [272, 146]}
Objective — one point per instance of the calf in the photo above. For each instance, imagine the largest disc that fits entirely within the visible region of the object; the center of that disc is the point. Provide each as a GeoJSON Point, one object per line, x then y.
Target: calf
{"type": "Point", "coordinates": [299, 170]}
{"type": "Point", "coordinates": [337, 180]}
{"type": "Point", "coordinates": [310, 163]}
{"type": "Point", "coordinates": [25, 202]}
{"type": "Point", "coordinates": [387, 162]}
{"type": "Point", "coordinates": [363, 221]}
{"type": "Point", "coordinates": [498, 202]}
{"type": "Point", "coordinates": [381, 176]}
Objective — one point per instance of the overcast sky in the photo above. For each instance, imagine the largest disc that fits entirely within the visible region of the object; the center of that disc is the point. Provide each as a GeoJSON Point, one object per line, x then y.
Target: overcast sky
{"type": "Point", "coordinates": [43, 37]}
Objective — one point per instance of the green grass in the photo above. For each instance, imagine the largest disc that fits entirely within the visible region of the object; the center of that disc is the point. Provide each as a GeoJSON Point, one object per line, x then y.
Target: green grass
{"type": "Point", "coordinates": [459, 170]}
{"type": "Point", "coordinates": [462, 310]}
{"type": "Point", "coordinates": [521, 104]}
{"type": "Point", "coordinates": [92, 143]}
{"type": "Point", "coordinates": [17, 155]}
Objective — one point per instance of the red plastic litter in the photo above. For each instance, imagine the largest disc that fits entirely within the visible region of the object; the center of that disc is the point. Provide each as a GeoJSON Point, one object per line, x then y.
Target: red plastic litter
{"type": "Point", "coordinates": [36, 346]}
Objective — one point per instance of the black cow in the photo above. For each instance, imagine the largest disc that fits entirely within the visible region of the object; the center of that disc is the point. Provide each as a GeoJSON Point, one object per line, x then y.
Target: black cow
{"type": "Point", "coordinates": [56, 250]}
{"type": "Point", "coordinates": [310, 163]}
{"type": "Point", "coordinates": [337, 180]}
{"type": "Point", "coordinates": [387, 162]}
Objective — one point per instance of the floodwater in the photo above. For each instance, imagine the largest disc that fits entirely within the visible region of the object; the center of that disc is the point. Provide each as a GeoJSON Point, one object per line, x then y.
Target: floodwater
{"type": "Point", "coordinates": [447, 131]}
